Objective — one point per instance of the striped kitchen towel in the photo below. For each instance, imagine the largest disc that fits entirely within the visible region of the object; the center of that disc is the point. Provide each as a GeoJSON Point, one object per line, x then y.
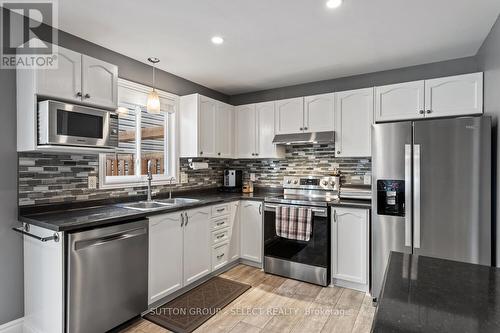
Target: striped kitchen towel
{"type": "Point", "coordinates": [294, 223]}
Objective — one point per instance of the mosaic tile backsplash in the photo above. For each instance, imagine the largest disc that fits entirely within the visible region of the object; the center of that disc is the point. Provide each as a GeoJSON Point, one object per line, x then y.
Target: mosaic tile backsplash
{"type": "Point", "coordinates": [55, 178]}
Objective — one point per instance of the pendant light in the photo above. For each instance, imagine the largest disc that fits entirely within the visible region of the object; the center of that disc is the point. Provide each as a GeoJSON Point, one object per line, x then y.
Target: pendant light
{"type": "Point", "coordinates": [153, 104]}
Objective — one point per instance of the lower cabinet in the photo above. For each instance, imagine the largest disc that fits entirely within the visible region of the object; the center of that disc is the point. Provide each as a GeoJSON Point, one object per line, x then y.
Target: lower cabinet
{"type": "Point", "coordinates": [251, 230]}
{"type": "Point", "coordinates": [350, 256]}
{"type": "Point", "coordinates": [197, 261]}
{"type": "Point", "coordinates": [165, 255]}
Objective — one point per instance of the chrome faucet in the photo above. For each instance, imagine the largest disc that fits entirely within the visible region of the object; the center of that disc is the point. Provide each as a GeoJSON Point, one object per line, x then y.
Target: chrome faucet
{"type": "Point", "coordinates": [170, 187]}
{"type": "Point", "coordinates": [150, 178]}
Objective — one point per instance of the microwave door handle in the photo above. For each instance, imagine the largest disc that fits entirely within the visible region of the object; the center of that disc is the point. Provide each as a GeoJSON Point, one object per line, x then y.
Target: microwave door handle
{"type": "Point", "coordinates": [416, 195]}
{"type": "Point", "coordinates": [408, 195]}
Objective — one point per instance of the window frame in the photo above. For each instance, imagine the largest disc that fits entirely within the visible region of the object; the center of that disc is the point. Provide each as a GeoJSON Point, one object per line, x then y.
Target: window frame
{"type": "Point", "coordinates": [135, 94]}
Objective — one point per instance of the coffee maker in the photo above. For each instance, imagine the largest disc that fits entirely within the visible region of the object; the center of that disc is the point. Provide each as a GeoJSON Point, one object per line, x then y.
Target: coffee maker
{"type": "Point", "coordinates": [233, 181]}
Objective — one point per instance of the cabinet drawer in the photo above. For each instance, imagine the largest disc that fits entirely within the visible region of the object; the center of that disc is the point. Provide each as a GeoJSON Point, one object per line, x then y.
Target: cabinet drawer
{"type": "Point", "coordinates": [219, 223]}
{"type": "Point", "coordinates": [220, 236]}
{"type": "Point", "coordinates": [220, 210]}
{"type": "Point", "coordinates": [219, 256]}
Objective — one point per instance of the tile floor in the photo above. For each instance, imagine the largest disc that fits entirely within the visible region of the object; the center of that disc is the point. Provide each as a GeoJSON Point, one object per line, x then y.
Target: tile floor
{"type": "Point", "coordinates": [277, 304]}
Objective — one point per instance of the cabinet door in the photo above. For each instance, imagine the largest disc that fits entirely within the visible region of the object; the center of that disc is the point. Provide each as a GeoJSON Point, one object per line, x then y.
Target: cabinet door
{"type": "Point", "coordinates": [197, 250]}
{"type": "Point", "coordinates": [99, 82]}
{"type": "Point", "coordinates": [399, 101]}
{"type": "Point", "coordinates": [224, 132]}
{"type": "Point", "coordinates": [265, 131]}
{"type": "Point", "coordinates": [290, 116]}
{"type": "Point", "coordinates": [350, 245]}
{"type": "Point", "coordinates": [64, 82]}
{"type": "Point", "coordinates": [454, 95]}
{"type": "Point", "coordinates": [353, 121]}
{"type": "Point", "coordinates": [246, 133]}
{"type": "Point", "coordinates": [319, 113]}
{"type": "Point", "coordinates": [165, 255]}
{"type": "Point", "coordinates": [207, 144]}
{"type": "Point", "coordinates": [251, 230]}
{"type": "Point", "coordinates": [234, 237]}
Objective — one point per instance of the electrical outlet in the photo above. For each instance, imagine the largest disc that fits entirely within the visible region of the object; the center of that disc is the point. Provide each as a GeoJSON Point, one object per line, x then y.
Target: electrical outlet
{"type": "Point", "coordinates": [252, 177]}
{"type": "Point", "coordinates": [367, 179]}
{"type": "Point", "coordinates": [92, 182]}
{"type": "Point", "coordinates": [184, 178]}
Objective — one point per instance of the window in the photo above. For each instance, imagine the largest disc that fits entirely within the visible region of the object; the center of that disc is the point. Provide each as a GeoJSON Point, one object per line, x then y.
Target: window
{"type": "Point", "coordinates": [142, 137]}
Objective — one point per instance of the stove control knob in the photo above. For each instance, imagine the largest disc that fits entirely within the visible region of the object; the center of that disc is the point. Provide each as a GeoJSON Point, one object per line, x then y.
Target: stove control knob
{"type": "Point", "coordinates": [289, 181]}
{"type": "Point", "coordinates": [332, 183]}
{"type": "Point", "coordinates": [295, 181]}
{"type": "Point", "coordinates": [325, 183]}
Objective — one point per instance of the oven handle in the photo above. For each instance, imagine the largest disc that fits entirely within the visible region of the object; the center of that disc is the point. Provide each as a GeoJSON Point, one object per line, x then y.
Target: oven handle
{"type": "Point", "coordinates": [317, 211]}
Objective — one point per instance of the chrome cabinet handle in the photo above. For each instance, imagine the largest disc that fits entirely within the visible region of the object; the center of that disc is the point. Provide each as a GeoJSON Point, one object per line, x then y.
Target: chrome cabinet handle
{"type": "Point", "coordinates": [87, 96]}
{"type": "Point", "coordinates": [338, 151]}
{"type": "Point", "coordinates": [429, 111]}
{"type": "Point", "coordinates": [182, 220]}
{"type": "Point", "coordinates": [78, 94]}
{"type": "Point", "coordinates": [218, 154]}
{"type": "Point", "coordinates": [335, 216]}
{"type": "Point", "coordinates": [187, 219]}
{"type": "Point", "coordinates": [421, 112]}
{"type": "Point", "coordinates": [220, 223]}
{"type": "Point", "coordinates": [201, 153]}
{"type": "Point", "coordinates": [220, 209]}
{"type": "Point", "coordinates": [260, 209]}
{"type": "Point", "coordinates": [302, 128]}
{"type": "Point", "coordinates": [25, 231]}
{"type": "Point", "coordinates": [305, 128]}
{"type": "Point", "coordinates": [220, 256]}
{"type": "Point", "coordinates": [220, 236]}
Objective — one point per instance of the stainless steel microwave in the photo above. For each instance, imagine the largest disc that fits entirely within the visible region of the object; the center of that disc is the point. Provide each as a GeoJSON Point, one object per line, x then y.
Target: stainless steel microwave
{"type": "Point", "coordinates": [74, 125]}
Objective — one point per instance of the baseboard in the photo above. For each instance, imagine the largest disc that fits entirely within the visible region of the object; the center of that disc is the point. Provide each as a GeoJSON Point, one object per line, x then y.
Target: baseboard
{"type": "Point", "coordinates": [15, 326]}
{"type": "Point", "coordinates": [250, 263]}
{"type": "Point", "coordinates": [351, 285]}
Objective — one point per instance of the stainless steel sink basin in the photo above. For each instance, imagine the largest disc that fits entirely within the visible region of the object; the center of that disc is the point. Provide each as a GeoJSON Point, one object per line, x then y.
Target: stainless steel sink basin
{"type": "Point", "coordinates": [178, 201]}
{"type": "Point", "coordinates": [158, 204]}
{"type": "Point", "coordinates": [146, 205]}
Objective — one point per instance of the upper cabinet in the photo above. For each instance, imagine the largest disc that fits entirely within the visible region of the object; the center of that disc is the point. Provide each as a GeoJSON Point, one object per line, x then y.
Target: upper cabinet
{"type": "Point", "coordinates": [65, 82]}
{"type": "Point", "coordinates": [99, 82]}
{"type": "Point", "coordinates": [290, 115]}
{"type": "Point", "coordinates": [305, 114]}
{"type": "Point", "coordinates": [443, 97]}
{"type": "Point", "coordinates": [454, 95]}
{"type": "Point", "coordinates": [206, 127]}
{"type": "Point", "coordinates": [399, 101]}
{"type": "Point", "coordinates": [255, 130]}
{"type": "Point", "coordinates": [79, 78]}
{"type": "Point", "coordinates": [319, 113]}
{"type": "Point", "coordinates": [353, 121]}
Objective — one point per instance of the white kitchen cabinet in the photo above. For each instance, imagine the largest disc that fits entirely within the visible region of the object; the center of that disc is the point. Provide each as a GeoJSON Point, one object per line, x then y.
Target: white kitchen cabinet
{"type": "Point", "coordinates": [350, 250]}
{"type": "Point", "coordinates": [454, 95]}
{"type": "Point", "coordinates": [206, 127]}
{"type": "Point", "coordinates": [197, 243]}
{"type": "Point", "coordinates": [65, 81]}
{"type": "Point", "coordinates": [251, 231]}
{"type": "Point", "coordinates": [234, 230]}
{"type": "Point", "coordinates": [255, 129]}
{"type": "Point", "coordinates": [400, 101]}
{"type": "Point", "coordinates": [99, 82]}
{"type": "Point", "coordinates": [165, 255]}
{"type": "Point", "coordinates": [319, 113]}
{"type": "Point", "coordinates": [290, 115]}
{"type": "Point", "coordinates": [208, 110]}
{"type": "Point", "coordinates": [353, 121]}
{"type": "Point", "coordinates": [246, 131]}
{"type": "Point", "coordinates": [224, 130]}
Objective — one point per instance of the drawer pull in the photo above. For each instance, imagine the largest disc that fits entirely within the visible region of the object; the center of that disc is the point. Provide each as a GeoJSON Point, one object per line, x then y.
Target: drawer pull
{"type": "Point", "coordinates": [220, 236]}
{"type": "Point", "coordinates": [221, 210]}
{"type": "Point", "coordinates": [220, 223]}
{"type": "Point", "coordinates": [220, 256]}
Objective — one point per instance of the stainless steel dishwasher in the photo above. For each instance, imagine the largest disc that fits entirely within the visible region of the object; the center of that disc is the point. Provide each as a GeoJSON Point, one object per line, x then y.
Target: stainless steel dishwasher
{"type": "Point", "coordinates": [107, 276]}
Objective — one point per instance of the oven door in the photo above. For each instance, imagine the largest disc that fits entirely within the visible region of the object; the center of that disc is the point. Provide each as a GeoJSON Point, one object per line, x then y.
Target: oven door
{"type": "Point", "coordinates": [68, 124]}
{"type": "Point", "coordinates": [307, 261]}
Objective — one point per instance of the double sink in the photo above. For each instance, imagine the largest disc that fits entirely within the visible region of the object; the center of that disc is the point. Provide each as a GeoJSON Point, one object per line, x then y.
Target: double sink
{"type": "Point", "coordinates": [145, 206]}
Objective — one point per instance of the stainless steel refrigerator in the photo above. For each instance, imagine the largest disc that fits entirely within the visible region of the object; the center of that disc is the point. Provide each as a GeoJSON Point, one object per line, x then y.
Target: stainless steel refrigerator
{"type": "Point", "coordinates": [431, 191]}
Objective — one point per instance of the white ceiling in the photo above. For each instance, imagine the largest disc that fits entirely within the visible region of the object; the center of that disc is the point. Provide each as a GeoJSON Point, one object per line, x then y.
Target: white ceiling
{"type": "Point", "coordinates": [273, 43]}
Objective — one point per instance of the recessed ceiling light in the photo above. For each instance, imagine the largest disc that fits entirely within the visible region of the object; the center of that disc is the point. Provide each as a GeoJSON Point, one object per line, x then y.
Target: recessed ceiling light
{"type": "Point", "coordinates": [333, 3]}
{"type": "Point", "coordinates": [217, 40]}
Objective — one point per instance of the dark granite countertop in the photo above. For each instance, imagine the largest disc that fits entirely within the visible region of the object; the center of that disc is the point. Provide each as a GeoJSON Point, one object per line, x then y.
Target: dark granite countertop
{"type": "Point", "coordinates": [70, 217]}
{"type": "Point", "coordinates": [423, 294]}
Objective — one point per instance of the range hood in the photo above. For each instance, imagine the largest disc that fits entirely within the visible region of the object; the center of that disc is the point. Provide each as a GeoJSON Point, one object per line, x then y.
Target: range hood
{"type": "Point", "coordinates": [304, 138]}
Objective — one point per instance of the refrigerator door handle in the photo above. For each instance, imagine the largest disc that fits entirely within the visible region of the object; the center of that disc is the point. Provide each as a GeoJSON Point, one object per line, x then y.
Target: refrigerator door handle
{"type": "Point", "coordinates": [408, 198]}
{"type": "Point", "coordinates": [416, 196]}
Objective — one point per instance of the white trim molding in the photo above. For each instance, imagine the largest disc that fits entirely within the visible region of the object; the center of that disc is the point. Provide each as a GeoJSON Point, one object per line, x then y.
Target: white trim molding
{"type": "Point", "coordinates": [15, 326]}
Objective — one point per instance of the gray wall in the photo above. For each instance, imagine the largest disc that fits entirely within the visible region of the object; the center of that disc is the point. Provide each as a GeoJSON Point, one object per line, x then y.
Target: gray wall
{"type": "Point", "coordinates": [489, 61]}
{"type": "Point", "coordinates": [427, 71]}
{"type": "Point", "coordinates": [11, 251]}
